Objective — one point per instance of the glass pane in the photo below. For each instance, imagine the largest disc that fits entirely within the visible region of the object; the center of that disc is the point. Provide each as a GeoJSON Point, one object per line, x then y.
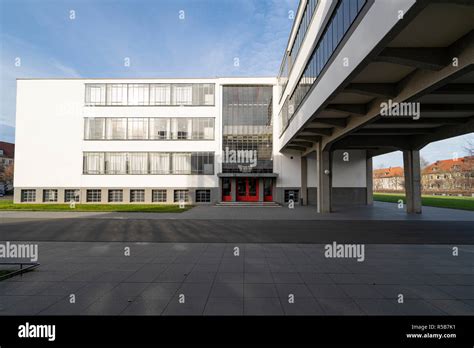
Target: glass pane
{"type": "Point", "coordinates": [252, 186]}
{"type": "Point", "coordinates": [116, 128]}
{"type": "Point", "coordinates": [160, 128]}
{"type": "Point", "coordinates": [137, 128]}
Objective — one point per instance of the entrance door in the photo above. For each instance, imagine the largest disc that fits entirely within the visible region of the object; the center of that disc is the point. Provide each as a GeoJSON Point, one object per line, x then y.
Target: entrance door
{"type": "Point", "coordinates": [247, 189]}
{"type": "Point", "coordinates": [226, 189]}
{"type": "Point", "coordinates": [268, 190]}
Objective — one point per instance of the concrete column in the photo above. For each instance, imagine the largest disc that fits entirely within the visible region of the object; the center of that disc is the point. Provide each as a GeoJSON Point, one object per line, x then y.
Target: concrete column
{"type": "Point", "coordinates": [370, 182]}
{"type": "Point", "coordinates": [304, 180]}
{"type": "Point", "coordinates": [233, 189]}
{"type": "Point", "coordinates": [411, 165]}
{"type": "Point", "coordinates": [260, 189]}
{"type": "Point", "coordinates": [324, 180]}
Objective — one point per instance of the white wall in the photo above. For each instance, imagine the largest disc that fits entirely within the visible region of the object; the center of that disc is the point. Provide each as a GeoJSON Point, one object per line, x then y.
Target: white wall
{"type": "Point", "coordinates": [288, 169]}
{"type": "Point", "coordinates": [312, 168]}
{"type": "Point", "coordinates": [350, 173]}
{"type": "Point", "coordinates": [50, 131]}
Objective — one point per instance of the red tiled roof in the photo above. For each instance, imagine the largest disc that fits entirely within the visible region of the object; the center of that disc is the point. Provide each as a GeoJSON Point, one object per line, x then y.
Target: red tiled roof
{"type": "Point", "coordinates": [388, 172]}
{"type": "Point", "coordinates": [464, 163]}
{"type": "Point", "coordinates": [8, 149]}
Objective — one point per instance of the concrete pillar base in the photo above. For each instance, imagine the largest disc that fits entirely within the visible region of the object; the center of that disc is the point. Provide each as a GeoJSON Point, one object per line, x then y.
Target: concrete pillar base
{"type": "Point", "coordinates": [325, 180]}
{"type": "Point", "coordinates": [411, 165]}
{"type": "Point", "coordinates": [304, 181]}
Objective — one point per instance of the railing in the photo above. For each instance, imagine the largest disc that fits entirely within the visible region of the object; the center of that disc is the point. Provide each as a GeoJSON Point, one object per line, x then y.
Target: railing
{"type": "Point", "coordinates": [337, 27]}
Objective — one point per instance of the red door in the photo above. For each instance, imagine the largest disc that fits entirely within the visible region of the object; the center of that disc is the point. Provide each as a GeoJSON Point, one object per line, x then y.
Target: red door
{"type": "Point", "coordinates": [268, 190]}
{"type": "Point", "coordinates": [247, 189]}
{"type": "Point", "coordinates": [226, 189]}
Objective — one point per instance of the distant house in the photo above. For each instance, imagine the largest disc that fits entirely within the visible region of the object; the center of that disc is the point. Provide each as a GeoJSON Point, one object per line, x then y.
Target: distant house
{"type": "Point", "coordinates": [389, 179]}
{"type": "Point", "coordinates": [7, 155]}
{"type": "Point", "coordinates": [449, 177]}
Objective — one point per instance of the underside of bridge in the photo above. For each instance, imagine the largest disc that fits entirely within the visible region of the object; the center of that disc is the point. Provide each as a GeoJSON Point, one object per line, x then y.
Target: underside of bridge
{"type": "Point", "coordinates": [425, 61]}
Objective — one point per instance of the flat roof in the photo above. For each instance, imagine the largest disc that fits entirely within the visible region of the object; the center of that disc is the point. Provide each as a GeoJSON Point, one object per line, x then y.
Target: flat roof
{"type": "Point", "coordinates": [147, 78]}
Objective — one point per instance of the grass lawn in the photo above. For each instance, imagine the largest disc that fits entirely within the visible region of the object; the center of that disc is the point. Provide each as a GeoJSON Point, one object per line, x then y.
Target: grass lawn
{"type": "Point", "coordinates": [465, 203]}
{"type": "Point", "coordinates": [145, 208]}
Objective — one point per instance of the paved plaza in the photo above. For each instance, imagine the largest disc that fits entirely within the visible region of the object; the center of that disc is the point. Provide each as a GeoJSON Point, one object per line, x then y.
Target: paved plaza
{"type": "Point", "coordinates": [383, 223]}
{"type": "Point", "coordinates": [188, 264]}
{"type": "Point", "coordinates": [259, 281]}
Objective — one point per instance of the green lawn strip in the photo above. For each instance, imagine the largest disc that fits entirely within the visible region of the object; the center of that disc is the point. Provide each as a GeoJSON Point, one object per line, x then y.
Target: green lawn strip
{"type": "Point", "coordinates": [453, 202]}
{"type": "Point", "coordinates": [145, 208]}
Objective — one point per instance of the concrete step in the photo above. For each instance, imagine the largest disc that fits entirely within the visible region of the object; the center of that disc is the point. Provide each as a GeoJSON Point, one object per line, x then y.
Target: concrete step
{"type": "Point", "coordinates": [249, 204]}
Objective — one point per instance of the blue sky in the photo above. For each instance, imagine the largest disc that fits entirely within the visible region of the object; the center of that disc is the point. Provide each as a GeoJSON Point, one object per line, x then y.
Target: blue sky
{"type": "Point", "coordinates": [155, 39]}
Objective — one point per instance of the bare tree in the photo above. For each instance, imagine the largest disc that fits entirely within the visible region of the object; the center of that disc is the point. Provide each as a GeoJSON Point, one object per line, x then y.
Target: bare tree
{"type": "Point", "coordinates": [469, 147]}
{"type": "Point", "coordinates": [423, 162]}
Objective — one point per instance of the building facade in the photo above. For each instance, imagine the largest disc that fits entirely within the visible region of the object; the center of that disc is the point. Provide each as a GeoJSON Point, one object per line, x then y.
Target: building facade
{"type": "Point", "coordinates": [7, 155]}
{"type": "Point", "coordinates": [449, 177]}
{"type": "Point", "coordinates": [388, 179]}
{"type": "Point", "coordinates": [166, 141]}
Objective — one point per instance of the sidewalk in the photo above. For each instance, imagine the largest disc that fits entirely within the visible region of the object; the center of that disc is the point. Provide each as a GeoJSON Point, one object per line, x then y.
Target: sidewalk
{"type": "Point", "coordinates": [260, 281]}
{"type": "Point", "coordinates": [379, 211]}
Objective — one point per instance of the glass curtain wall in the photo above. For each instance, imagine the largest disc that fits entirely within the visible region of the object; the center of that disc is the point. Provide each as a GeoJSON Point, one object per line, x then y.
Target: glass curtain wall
{"type": "Point", "coordinates": [247, 126]}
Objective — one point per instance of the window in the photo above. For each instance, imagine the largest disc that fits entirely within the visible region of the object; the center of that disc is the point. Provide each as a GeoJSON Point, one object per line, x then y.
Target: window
{"type": "Point", "coordinates": [181, 196]}
{"type": "Point", "coordinates": [113, 163]}
{"type": "Point", "coordinates": [94, 128]}
{"type": "Point", "coordinates": [181, 128]}
{"type": "Point", "coordinates": [158, 195]}
{"type": "Point", "coordinates": [28, 195]}
{"type": "Point", "coordinates": [115, 196]}
{"type": "Point", "coordinates": [181, 163]}
{"type": "Point", "coordinates": [203, 196]}
{"type": "Point", "coordinates": [137, 128]}
{"type": "Point", "coordinates": [94, 163]}
{"type": "Point", "coordinates": [160, 94]}
{"type": "Point", "coordinates": [50, 195]}
{"type": "Point", "coordinates": [337, 27]}
{"type": "Point", "coordinates": [203, 129]}
{"type": "Point", "coordinates": [155, 128]}
{"type": "Point", "coordinates": [159, 163]}
{"type": "Point", "coordinates": [116, 128]}
{"type": "Point", "coordinates": [94, 195]}
{"type": "Point", "coordinates": [116, 163]}
{"type": "Point", "coordinates": [202, 163]}
{"type": "Point", "coordinates": [291, 194]}
{"type": "Point", "coordinates": [95, 94]}
{"type": "Point", "coordinates": [160, 128]}
{"type": "Point", "coordinates": [137, 163]}
{"type": "Point", "coordinates": [138, 94]}
{"type": "Point", "coordinates": [182, 95]}
{"type": "Point", "coordinates": [247, 126]}
{"type": "Point", "coordinates": [71, 195]}
{"type": "Point", "coordinates": [203, 94]}
{"type": "Point", "coordinates": [137, 196]}
{"type": "Point", "coordinates": [117, 94]}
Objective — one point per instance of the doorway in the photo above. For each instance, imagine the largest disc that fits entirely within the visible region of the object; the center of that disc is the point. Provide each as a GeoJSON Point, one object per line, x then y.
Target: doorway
{"type": "Point", "coordinates": [247, 189]}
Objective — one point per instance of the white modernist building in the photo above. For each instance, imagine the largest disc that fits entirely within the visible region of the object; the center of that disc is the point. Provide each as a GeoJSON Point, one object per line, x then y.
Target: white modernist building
{"type": "Point", "coordinates": [308, 134]}
{"type": "Point", "coordinates": [159, 141]}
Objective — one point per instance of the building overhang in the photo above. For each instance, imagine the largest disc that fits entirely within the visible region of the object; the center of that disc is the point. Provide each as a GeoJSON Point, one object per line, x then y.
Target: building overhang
{"type": "Point", "coordinates": [247, 175]}
{"type": "Point", "coordinates": [344, 110]}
